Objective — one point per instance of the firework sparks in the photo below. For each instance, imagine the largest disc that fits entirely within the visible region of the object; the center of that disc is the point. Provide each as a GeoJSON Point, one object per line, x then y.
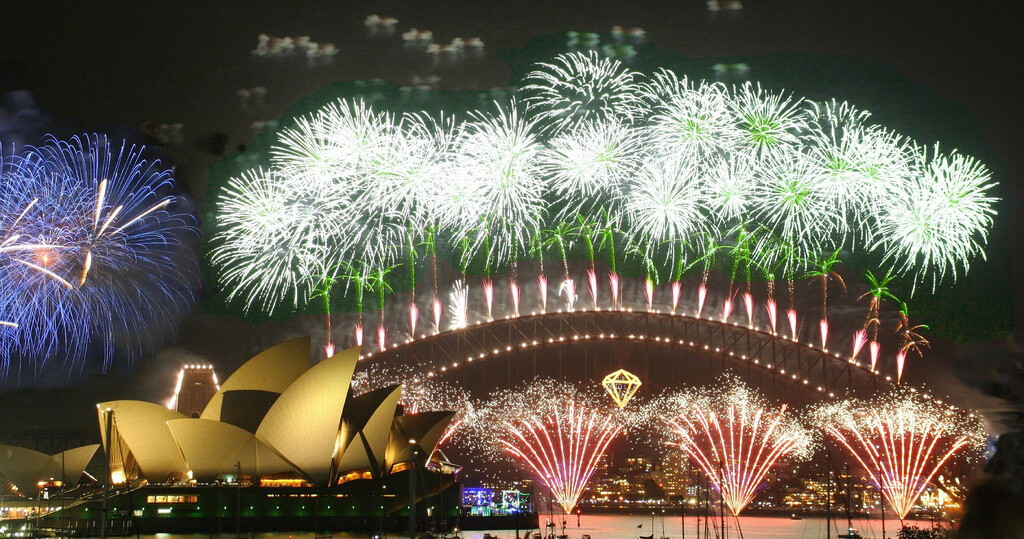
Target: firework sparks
{"type": "Point", "coordinates": [702, 294]}
{"type": "Point", "coordinates": [563, 448]}
{"type": "Point", "coordinates": [513, 289]}
{"type": "Point", "coordinates": [436, 309]}
{"type": "Point", "coordinates": [677, 289]}
{"type": "Point", "coordinates": [860, 338]}
{"type": "Point", "coordinates": [592, 285]}
{"type": "Point", "coordinates": [901, 440]}
{"type": "Point", "coordinates": [542, 287]}
{"type": "Point", "coordinates": [772, 309]}
{"type": "Point", "coordinates": [735, 438]}
{"type": "Point", "coordinates": [613, 286]}
{"type": "Point", "coordinates": [458, 307]}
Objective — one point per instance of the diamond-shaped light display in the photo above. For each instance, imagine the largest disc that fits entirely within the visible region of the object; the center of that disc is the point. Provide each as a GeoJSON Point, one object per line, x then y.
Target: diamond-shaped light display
{"type": "Point", "coordinates": [621, 385]}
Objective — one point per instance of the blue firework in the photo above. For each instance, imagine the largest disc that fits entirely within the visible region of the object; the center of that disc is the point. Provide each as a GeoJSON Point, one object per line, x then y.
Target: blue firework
{"type": "Point", "coordinates": [107, 271]}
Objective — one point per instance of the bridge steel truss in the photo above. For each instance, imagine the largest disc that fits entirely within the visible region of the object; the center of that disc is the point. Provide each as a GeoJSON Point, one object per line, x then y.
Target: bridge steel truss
{"type": "Point", "coordinates": [796, 366]}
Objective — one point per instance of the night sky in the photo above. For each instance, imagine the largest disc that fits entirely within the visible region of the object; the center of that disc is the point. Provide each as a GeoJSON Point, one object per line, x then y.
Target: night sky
{"type": "Point", "coordinates": [95, 66]}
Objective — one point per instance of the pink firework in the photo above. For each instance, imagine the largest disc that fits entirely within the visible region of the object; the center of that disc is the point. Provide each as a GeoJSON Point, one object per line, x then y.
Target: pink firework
{"type": "Point", "coordinates": [359, 334]}
{"type": "Point", "coordinates": [562, 449]}
{"type": "Point", "coordinates": [772, 309]}
{"type": "Point", "coordinates": [860, 338]}
{"type": "Point", "coordinates": [649, 293]}
{"type": "Point", "coordinates": [592, 285]}
{"type": "Point", "coordinates": [901, 358]}
{"type": "Point", "coordinates": [791, 314]}
{"type": "Point", "coordinates": [382, 337]}
{"type": "Point", "coordinates": [488, 295]}
{"type": "Point", "coordinates": [513, 289]}
{"type": "Point", "coordinates": [823, 326]}
{"type": "Point", "coordinates": [702, 294]}
{"type": "Point", "coordinates": [613, 284]}
{"type": "Point", "coordinates": [726, 309]}
{"type": "Point", "coordinates": [329, 349]}
{"type": "Point", "coordinates": [874, 347]}
{"type": "Point", "coordinates": [414, 316]}
{"type": "Point", "coordinates": [902, 441]}
{"type": "Point", "coordinates": [737, 446]}
{"type": "Point", "coordinates": [748, 302]}
{"type": "Point", "coordinates": [542, 287]}
{"type": "Point", "coordinates": [677, 290]}
{"type": "Point", "coordinates": [436, 310]}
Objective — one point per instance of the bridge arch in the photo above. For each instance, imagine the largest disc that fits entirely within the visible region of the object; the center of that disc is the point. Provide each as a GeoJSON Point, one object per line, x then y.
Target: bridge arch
{"type": "Point", "coordinates": [598, 340]}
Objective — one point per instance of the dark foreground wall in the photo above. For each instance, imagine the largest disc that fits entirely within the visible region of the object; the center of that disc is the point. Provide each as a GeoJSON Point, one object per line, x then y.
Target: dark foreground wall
{"type": "Point", "coordinates": [364, 505]}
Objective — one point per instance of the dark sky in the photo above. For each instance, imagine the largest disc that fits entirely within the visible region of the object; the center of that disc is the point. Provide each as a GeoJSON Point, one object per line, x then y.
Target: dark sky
{"type": "Point", "coordinates": [92, 64]}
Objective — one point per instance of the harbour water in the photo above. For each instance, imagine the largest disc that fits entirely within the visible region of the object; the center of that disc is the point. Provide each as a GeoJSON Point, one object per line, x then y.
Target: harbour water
{"type": "Point", "coordinates": [632, 526]}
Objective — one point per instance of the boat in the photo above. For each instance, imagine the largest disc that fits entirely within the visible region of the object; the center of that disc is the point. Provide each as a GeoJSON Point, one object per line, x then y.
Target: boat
{"type": "Point", "coordinates": [795, 516]}
{"type": "Point", "coordinates": [850, 534]}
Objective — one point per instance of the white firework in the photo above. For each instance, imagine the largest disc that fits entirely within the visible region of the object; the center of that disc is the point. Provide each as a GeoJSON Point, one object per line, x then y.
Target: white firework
{"type": "Point", "coordinates": [589, 164]}
{"type": "Point", "coordinates": [730, 184]}
{"type": "Point", "coordinates": [939, 221]}
{"type": "Point", "coordinates": [792, 202]}
{"type": "Point", "coordinates": [577, 87]}
{"type": "Point", "coordinates": [771, 122]}
{"type": "Point", "coordinates": [499, 157]}
{"type": "Point", "coordinates": [331, 143]}
{"type": "Point", "coordinates": [689, 121]}
{"type": "Point", "coordinates": [458, 306]}
{"type": "Point", "coordinates": [276, 236]}
{"type": "Point", "coordinates": [664, 205]}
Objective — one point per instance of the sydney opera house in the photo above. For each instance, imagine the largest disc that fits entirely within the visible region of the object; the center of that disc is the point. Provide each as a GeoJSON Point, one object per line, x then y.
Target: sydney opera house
{"type": "Point", "coordinates": [279, 445]}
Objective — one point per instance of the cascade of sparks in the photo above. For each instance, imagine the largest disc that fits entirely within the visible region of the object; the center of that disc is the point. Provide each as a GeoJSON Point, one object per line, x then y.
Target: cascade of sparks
{"type": "Point", "coordinates": [902, 440]}
{"type": "Point", "coordinates": [677, 289]}
{"type": "Point", "coordinates": [735, 439]}
{"type": "Point", "coordinates": [562, 448]}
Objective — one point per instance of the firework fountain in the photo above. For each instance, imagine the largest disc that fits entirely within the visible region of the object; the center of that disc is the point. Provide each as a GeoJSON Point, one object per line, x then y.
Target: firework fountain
{"type": "Point", "coordinates": [902, 440]}
{"type": "Point", "coordinates": [735, 437]}
{"type": "Point", "coordinates": [562, 448]}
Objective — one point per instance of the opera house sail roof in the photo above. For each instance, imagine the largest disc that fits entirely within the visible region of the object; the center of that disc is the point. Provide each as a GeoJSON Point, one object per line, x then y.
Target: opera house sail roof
{"type": "Point", "coordinates": [275, 417]}
{"type": "Point", "coordinates": [27, 468]}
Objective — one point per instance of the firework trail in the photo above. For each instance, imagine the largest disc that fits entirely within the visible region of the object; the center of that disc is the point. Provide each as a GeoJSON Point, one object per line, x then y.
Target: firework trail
{"type": "Point", "coordinates": [382, 337]}
{"type": "Point", "coordinates": [592, 285]}
{"type": "Point", "coordinates": [613, 285]}
{"type": "Point", "coordinates": [702, 294]}
{"type": "Point", "coordinates": [436, 309]}
{"type": "Point", "coordinates": [860, 338]}
{"type": "Point", "coordinates": [458, 308]}
{"type": "Point", "coordinates": [735, 438]}
{"type": "Point", "coordinates": [791, 315]}
{"type": "Point", "coordinates": [901, 358]}
{"type": "Point", "coordinates": [873, 347]}
{"type": "Point", "coordinates": [414, 316]}
{"type": "Point", "coordinates": [358, 331]}
{"type": "Point", "coordinates": [542, 287]}
{"type": "Point", "coordinates": [772, 310]}
{"type": "Point", "coordinates": [902, 440]}
{"type": "Point", "coordinates": [513, 289]}
{"type": "Point", "coordinates": [823, 327]}
{"type": "Point", "coordinates": [748, 302]}
{"type": "Point", "coordinates": [488, 287]}
{"type": "Point", "coordinates": [649, 293]}
{"type": "Point", "coordinates": [563, 448]}
{"type": "Point", "coordinates": [568, 288]}
{"type": "Point", "coordinates": [726, 309]}
{"type": "Point", "coordinates": [677, 289]}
